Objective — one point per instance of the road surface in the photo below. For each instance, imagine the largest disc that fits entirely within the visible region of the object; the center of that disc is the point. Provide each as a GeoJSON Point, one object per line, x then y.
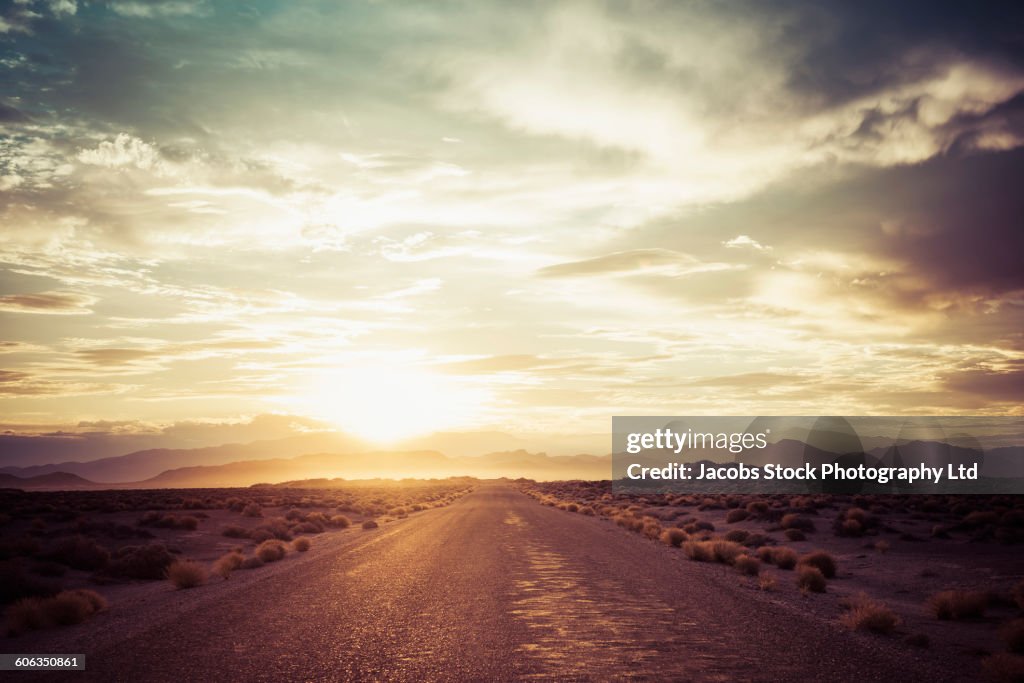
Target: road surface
{"type": "Point", "coordinates": [496, 587]}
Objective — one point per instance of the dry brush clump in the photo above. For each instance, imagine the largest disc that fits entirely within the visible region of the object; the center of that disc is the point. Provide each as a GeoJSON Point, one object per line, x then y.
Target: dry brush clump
{"type": "Point", "coordinates": [822, 561]}
{"type": "Point", "coordinates": [187, 574]}
{"type": "Point", "coordinates": [673, 536]}
{"type": "Point", "coordinates": [955, 605]}
{"type": "Point", "coordinates": [302, 544]}
{"type": "Point", "coordinates": [227, 564]}
{"type": "Point", "coordinates": [271, 550]}
{"type": "Point", "coordinates": [810, 579]}
{"type": "Point", "coordinates": [748, 565]}
{"type": "Point", "coordinates": [865, 614]}
{"type": "Point", "coordinates": [64, 609]}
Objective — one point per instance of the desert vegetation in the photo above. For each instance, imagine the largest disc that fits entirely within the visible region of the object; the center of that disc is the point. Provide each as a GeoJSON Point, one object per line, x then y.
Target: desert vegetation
{"type": "Point", "coordinates": [57, 544]}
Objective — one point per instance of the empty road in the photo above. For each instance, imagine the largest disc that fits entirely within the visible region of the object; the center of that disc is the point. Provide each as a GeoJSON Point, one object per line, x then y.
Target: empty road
{"type": "Point", "coordinates": [494, 587]}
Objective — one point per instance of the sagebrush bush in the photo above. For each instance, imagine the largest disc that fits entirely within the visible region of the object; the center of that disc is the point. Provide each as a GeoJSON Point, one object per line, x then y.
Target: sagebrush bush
{"type": "Point", "coordinates": [784, 558]}
{"type": "Point", "coordinates": [673, 536]}
{"type": "Point", "coordinates": [227, 564]}
{"type": "Point", "coordinates": [253, 562]}
{"type": "Point", "coordinates": [187, 574]}
{"type": "Point", "coordinates": [822, 560]}
{"type": "Point", "coordinates": [748, 565]}
{"type": "Point", "coordinates": [340, 521]}
{"type": "Point", "coordinates": [954, 605]}
{"type": "Point", "coordinates": [737, 536]}
{"type": "Point", "coordinates": [271, 551]}
{"type": "Point", "coordinates": [147, 562]}
{"type": "Point", "coordinates": [252, 510]}
{"type": "Point", "coordinates": [866, 614]}
{"type": "Point", "coordinates": [370, 524]}
{"type": "Point", "coordinates": [736, 515]}
{"type": "Point", "coordinates": [699, 551]}
{"type": "Point", "coordinates": [810, 579]}
{"type": "Point", "coordinates": [234, 531]}
{"type": "Point", "coordinates": [79, 552]}
{"type": "Point", "coordinates": [64, 609]}
{"type": "Point", "coordinates": [302, 544]}
{"type": "Point", "coordinates": [799, 522]}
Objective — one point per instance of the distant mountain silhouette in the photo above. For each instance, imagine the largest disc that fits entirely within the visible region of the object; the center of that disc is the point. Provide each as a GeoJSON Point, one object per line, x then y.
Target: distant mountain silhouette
{"type": "Point", "coordinates": [149, 463]}
{"type": "Point", "coordinates": [53, 480]}
{"type": "Point", "coordinates": [386, 464]}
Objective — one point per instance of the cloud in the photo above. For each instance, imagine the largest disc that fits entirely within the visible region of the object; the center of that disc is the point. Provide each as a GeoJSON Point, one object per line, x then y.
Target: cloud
{"type": "Point", "coordinates": [123, 151]}
{"type": "Point", "coordinates": [744, 241]}
{"type": "Point", "coordinates": [157, 8]}
{"type": "Point", "coordinates": [995, 384]}
{"type": "Point", "coordinates": [636, 261]}
{"type": "Point", "coordinates": [48, 303]}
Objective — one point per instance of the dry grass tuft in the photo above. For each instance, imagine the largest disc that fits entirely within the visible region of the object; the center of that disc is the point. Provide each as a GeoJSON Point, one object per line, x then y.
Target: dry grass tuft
{"type": "Point", "coordinates": [748, 565]}
{"type": "Point", "coordinates": [227, 564]}
{"type": "Point", "coordinates": [955, 605]}
{"type": "Point", "coordinates": [64, 609]}
{"type": "Point", "coordinates": [822, 561]}
{"type": "Point", "coordinates": [867, 615]}
{"type": "Point", "coordinates": [766, 582]}
{"type": "Point", "coordinates": [673, 536]}
{"type": "Point", "coordinates": [302, 544]}
{"type": "Point", "coordinates": [699, 551]}
{"type": "Point", "coordinates": [187, 574]}
{"type": "Point", "coordinates": [271, 551]}
{"type": "Point", "coordinates": [810, 578]}
{"type": "Point", "coordinates": [370, 524]}
{"type": "Point", "coordinates": [784, 558]}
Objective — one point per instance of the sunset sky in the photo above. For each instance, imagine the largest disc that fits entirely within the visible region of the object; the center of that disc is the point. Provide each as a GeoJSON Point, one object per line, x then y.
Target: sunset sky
{"type": "Point", "coordinates": [519, 216]}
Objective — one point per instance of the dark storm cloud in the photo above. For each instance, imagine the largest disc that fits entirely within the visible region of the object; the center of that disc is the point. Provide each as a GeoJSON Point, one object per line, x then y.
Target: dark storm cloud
{"type": "Point", "coordinates": [856, 48]}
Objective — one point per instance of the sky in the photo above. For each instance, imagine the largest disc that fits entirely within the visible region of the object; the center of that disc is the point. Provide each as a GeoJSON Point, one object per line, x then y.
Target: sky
{"type": "Point", "coordinates": [393, 218]}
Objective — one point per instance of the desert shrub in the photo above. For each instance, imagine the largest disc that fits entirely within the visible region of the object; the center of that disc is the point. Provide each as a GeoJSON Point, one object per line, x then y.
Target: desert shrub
{"type": "Point", "coordinates": [340, 521]}
{"type": "Point", "coordinates": [795, 535]}
{"type": "Point", "coordinates": [234, 531]}
{"type": "Point", "coordinates": [766, 582]}
{"type": "Point", "coordinates": [955, 605]}
{"type": "Point", "coordinates": [63, 609]}
{"type": "Point", "coordinates": [302, 544]}
{"type": "Point", "coordinates": [584, 510]}
{"type": "Point", "coordinates": [736, 515]}
{"type": "Point", "coordinates": [227, 564]}
{"type": "Point", "coordinates": [271, 551]}
{"type": "Point", "coordinates": [757, 507]}
{"type": "Point", "coordinates": [370, 524]}
{"type": "Point", "coordinates": [276, 528]}
{"type": "Point", "coordinates": [867, 615]}
{"type": "Point", "coordinates": [784, 558]}
{"type": "Point", "coordinates": [1012, 634]}
{"type": "Point", "coordinates": [800, 522]}
{"type": "Point", "coordinates": [673, 536]}
{"type": "Point", "coordinates": [882, 547]}
{"type": "Point", "coordinates": [746, 564]}
{"type": "Point", "coordinates": [252, 510]}
{"type": "Point", "coordinates": [294, 513]}
{"type": "Point", "coordinates": [980, 518]}
{"type": "Point", "coordinates": [764, 553]}
{"type": "Point", "coordinates": [188, 522]}
{"type": "Point", "coordinates": [79, 552]}
{"type": "Point", "coordinates": [823, 561]}
{"type": "Point", "coordinates": [572, 507]}
{"type": "Point", "coordinates": [726, 552]}
{"type": "Point", "coordinates": [699, 551]}
{"type": "Point", "coordinates": [1004, 667]}
{"type": "Point", "coordinates": [810, 579]}
{"type": "Point", "coordinates": [253, 562]}
{"type": "Point", "coordinates": [651, 529]}
{"type": "Point", "coordinates": [308, 528]}
{"type": "Point", "coordinates": [187, 574]}
{"type": "Point", "coordinates": [148, 562]}
{"type": "Point", "coordinates": [756, 540]}
{"type": "Point", "coordinates": [737, 536]}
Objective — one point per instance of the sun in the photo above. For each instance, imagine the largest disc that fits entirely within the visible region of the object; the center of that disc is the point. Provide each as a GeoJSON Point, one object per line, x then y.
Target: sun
{"type": "Point", "coordinates": [386, 404]}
